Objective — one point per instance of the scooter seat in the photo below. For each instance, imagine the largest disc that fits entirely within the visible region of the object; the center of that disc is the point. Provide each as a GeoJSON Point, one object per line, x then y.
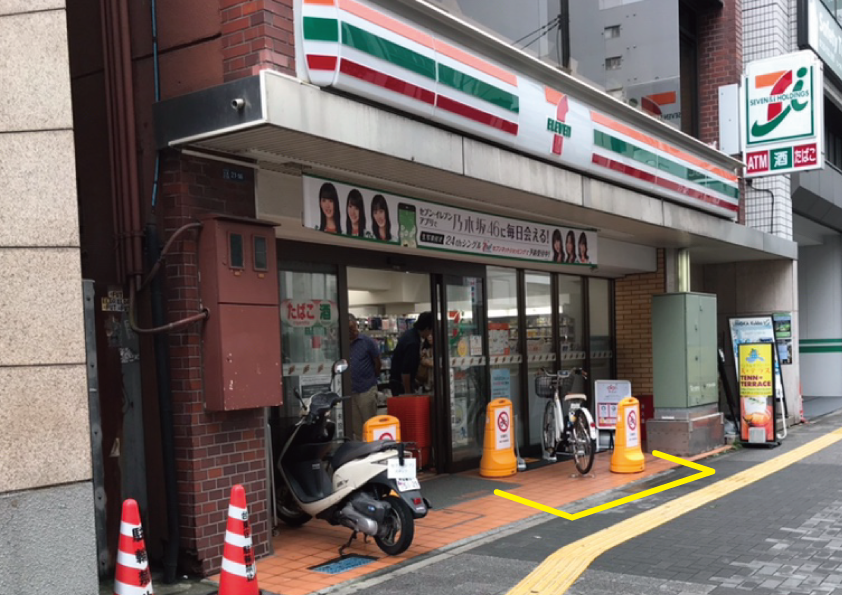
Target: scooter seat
{"type": "Point", "coordinates": [350, 451]}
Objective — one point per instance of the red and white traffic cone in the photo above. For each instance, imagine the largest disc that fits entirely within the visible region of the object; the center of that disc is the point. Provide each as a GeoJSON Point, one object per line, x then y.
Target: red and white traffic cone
{"type": "Point", "coordinates": [132, 576]}
{"type": "Point", "coordinates": [239, 574]}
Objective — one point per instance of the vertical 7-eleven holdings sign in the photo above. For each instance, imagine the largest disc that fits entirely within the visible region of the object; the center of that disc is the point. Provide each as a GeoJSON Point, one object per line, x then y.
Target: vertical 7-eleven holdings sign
{"type": "Point", "coordinates": [781, 114]}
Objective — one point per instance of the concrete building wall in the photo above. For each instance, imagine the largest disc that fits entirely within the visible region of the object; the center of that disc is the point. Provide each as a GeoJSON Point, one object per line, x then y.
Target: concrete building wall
{"type": "Point", "coordinates": [768, 30]}
{"type": "Point", "coordinates": [754, 289]}
{"type": "Point", "coordinates": [45, 440]}
{"type": "Point", "coordinates": [820, 292]}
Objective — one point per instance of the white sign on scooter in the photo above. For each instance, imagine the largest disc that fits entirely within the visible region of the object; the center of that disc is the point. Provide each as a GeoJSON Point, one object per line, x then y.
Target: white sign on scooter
{"type": "Point", "coordinates": [404, 475]}
{"type": "Point", "coordinates": [397, 471]}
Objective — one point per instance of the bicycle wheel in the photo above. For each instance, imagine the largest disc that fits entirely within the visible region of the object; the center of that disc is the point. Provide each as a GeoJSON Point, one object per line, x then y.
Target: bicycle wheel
{"type": "Point", "coordinates": [583, 446]}
{"type": "Point", "coordinates": [549, 435]}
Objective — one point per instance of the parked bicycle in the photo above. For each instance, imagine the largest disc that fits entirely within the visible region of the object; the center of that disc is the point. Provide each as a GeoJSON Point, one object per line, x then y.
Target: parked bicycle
{"type": "Point", "coordinates": [572, 432]}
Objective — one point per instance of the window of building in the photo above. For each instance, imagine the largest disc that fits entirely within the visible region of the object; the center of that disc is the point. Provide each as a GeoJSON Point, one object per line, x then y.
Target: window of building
{"type": "Point", "coordinates": [503, 343]}
{"type": "Point", "coordinates": [612, 32]}
{"type": "Point", "coordinates": [832, 134]}
{"type": "Point", "coordinates": [540, 352]}
{"type": "Point", "coordinates": [613, 63]}
{"type": "Point", "coordinates": [309, 332]}
{"type": "Point", "coordinates": [535, 26]}
{"type": "Point", "coordinates": [600, 326]}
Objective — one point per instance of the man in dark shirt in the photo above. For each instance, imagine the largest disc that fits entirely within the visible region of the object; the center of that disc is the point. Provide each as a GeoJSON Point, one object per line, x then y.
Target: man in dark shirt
{"type": "Point", "coordinates": [365, 368]}
{"type": "Point", "coordinates": [407, 355]}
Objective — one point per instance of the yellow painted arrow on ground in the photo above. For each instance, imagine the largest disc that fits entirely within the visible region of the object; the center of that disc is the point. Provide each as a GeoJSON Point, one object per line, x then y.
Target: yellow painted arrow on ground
{"type": "Point", "coordinates": [703, 471]}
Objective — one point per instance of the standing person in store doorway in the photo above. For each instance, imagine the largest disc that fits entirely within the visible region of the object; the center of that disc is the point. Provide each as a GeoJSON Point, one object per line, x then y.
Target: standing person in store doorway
{"type": "Point", "coordinates": [407, 355]}
{"type": "Point", "coordinates": [365, 369]}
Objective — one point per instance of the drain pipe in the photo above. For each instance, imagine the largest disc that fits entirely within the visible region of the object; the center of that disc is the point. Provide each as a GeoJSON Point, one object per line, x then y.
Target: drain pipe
{"type": "Point", "coordinates": [162, 366]}
{"type": "Point", "coordinates": [683, 270]}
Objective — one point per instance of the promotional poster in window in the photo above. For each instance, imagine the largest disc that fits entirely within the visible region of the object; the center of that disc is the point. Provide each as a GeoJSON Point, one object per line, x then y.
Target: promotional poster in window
{"type": "Point", "coordinates": [372, 215]}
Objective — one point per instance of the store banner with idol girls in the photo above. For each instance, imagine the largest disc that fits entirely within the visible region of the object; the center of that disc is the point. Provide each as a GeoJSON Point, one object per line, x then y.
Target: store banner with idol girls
{"type": "Point", "coordinates": [375, 216]}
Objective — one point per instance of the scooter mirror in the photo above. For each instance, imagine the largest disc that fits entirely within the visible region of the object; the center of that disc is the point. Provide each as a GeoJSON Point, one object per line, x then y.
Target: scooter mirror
{"type": "Point", "coordinates": [340, 366]}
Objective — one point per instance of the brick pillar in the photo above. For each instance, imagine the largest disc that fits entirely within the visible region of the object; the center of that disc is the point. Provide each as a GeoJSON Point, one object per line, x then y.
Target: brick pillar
{"type": "Point", "coordinates": [215, 450]}
{"type": "Point", "coordinates": [256, 35]}
{"type": "Point", "coordinates": [720, 62]}
{"type": "Point", "coordinates": [633, 309]}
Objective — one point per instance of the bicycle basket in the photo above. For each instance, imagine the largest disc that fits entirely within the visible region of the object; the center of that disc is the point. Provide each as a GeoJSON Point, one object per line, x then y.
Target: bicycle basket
{"type": "Point", "coordinates": [566, 384]}
{"type": "Point", "coordinates": [545, 386]}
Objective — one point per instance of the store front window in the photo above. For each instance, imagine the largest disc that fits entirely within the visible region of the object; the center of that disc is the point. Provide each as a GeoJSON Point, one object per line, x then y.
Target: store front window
{"type": "Point", "coordinates": [571, 319]}
{"type": "Point", "coordinates": [466, 354]}
{"type": "Point", "coordinates": [600, 327]}
{"type": "Point", "coordinates": [309, 335]}
{"type": "Point", "coordinates": [503, 343]}
{"type": "Point", "coordinates": [539, 343]}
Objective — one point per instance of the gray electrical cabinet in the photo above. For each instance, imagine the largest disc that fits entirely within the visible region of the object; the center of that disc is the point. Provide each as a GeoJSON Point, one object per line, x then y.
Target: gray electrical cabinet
{"type": "Point", "coordinates": [684, 350]}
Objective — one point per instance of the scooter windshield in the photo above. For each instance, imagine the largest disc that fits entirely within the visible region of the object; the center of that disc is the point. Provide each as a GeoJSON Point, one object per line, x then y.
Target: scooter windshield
{"type": "Point", "coordinates": [321, 401]}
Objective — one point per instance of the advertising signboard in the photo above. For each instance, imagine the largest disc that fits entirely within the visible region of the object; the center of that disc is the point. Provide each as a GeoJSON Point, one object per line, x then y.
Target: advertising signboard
{"type": "Point", "coordinates": [371, 215]}
{"type": "Point", "coordinates": [783, 336]}
{"type": "Point", "coordinates": [756, 329]}
{"type": "Point", "coordinates": [441, 81]}
{"type": "Point", "coordinates": [756, 392]}
{"type": "Point", "coordinates": [782, 115]}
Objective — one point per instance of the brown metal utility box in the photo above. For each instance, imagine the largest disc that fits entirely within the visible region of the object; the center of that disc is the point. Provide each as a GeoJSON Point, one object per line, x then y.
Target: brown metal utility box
{"type": "Point", "coordinates": [241, 341]}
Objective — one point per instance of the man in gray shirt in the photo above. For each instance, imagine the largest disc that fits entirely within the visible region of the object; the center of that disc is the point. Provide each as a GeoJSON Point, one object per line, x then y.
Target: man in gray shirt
{"type": "Point", "coordinates": [365, 369]}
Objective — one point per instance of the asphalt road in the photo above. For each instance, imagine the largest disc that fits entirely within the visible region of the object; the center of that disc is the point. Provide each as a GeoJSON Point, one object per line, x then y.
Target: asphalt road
{"type": "Point", "coordinates": [781, 534]}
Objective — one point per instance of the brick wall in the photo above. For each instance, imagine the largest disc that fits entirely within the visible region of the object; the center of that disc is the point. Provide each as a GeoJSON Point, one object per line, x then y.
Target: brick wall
{"type": "Point", "coordinates": [633, 309]}
{"type": "Point", "coordinates": [214, 451]}
{"type": "Point", "coordinates": [256, 35]}
{"type": "Point", "coordinates": [720, 62]}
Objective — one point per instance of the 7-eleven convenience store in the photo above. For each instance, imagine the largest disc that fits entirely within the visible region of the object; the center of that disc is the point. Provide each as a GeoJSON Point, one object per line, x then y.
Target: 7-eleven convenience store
{"type": "Point", "coordinates": [412, 162]}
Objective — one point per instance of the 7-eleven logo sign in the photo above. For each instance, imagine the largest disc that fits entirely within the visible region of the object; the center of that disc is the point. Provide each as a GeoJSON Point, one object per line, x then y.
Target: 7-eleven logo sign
{"type": "Point", "coordinates": [786, 94]}
{"type": "Point", "coordinates": [782, 114]}
{"type": "Point", "coordinates": [558, 124]}
{"type": "Point", "coordinates": [779, 104]}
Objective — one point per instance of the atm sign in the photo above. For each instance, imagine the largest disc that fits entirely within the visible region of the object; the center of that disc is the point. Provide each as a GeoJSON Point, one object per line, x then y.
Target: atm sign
{"type": "Point", "coordinates": [757, 162]}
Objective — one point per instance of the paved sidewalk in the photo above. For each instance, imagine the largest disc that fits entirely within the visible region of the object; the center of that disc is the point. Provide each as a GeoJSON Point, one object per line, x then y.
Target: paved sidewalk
{"type": "Point", "coordinates": [781, 534]}
{"type": "Point", "coordinates": [460, 515]}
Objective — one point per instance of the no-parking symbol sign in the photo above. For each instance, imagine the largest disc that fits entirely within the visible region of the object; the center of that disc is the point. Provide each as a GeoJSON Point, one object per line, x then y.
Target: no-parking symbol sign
{"type": "Point", "coordinates": [503, 428]}
{"type": "Point", "coordinates": [632, 423]}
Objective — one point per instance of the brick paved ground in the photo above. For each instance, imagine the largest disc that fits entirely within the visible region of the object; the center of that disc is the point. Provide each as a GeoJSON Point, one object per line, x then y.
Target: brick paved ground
{"type": "Point", "coordinates": [781, 535]}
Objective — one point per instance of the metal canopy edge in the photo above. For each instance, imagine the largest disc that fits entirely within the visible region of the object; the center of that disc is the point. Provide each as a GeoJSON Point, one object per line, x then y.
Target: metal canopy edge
{"type": "Point", "coordinates": [279, 125]}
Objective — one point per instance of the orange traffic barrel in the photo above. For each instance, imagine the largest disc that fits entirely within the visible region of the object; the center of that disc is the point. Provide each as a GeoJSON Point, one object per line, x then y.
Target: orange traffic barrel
{"type": "Point", "coordinates": [498, 450]}
{"type": "Point", "coordinates": [628, 454]}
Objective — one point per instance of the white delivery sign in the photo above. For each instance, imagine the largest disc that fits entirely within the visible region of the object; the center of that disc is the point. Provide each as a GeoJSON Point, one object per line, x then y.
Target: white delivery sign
{"type": "Point", "coordinates": [608, 394]}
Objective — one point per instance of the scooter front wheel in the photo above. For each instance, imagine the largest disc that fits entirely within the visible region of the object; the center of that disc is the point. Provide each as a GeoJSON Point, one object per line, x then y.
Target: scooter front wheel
{"type": "Point", "coordinates": [398, 527]}
{"type": "Point", "coordinates": [287, 509]}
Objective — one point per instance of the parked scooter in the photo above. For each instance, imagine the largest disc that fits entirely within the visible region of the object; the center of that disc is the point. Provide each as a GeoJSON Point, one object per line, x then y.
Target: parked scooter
{"type": "Point", "coordinates": [355, 486]}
